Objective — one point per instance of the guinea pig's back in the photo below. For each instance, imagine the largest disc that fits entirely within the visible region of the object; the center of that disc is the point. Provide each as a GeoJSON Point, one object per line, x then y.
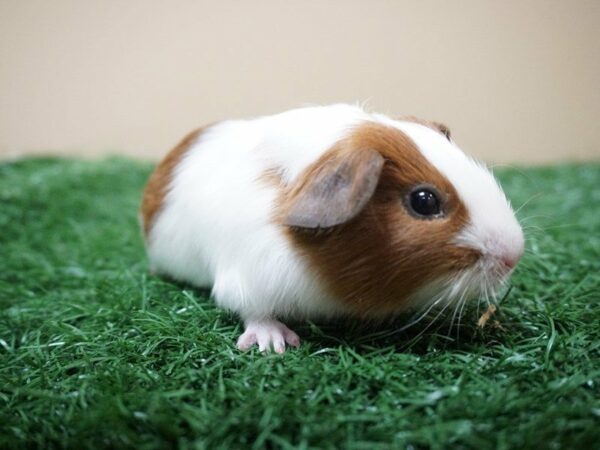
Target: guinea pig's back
{"type": "Point", "coordinates": [216, 226]}
{"type": "Point", "coordinates": [211, 201]}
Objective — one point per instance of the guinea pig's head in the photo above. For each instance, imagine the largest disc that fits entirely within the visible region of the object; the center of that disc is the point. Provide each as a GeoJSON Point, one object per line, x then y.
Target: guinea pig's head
{"type": "Point", "coordinates": [395, 216]}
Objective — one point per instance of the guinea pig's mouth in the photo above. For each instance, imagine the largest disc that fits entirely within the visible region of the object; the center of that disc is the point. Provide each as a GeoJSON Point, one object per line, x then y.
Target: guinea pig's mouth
{"type": "Point", "coordinates": [447, 298]}
{"type": "Point", "coordinates": [488, 279]}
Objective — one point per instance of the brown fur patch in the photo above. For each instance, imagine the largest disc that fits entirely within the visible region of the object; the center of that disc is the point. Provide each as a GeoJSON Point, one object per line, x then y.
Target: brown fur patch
{"type": "Point", "coordinates": [156, 188]}
{"type": "Point", "coordinates": [377, 260]}
{"type": "Point", "coordinates": [271, 177]}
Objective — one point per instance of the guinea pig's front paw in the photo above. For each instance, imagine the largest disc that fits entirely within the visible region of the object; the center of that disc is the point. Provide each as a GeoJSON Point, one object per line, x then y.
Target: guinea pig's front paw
{"type": "Point", "coordinates": [267, 334]}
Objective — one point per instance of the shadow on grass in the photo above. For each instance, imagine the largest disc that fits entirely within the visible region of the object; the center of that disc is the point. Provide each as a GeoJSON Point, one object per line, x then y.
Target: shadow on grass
{"type": "Point", "coordinates": [432, 333]}
{"type": "Point", "coordinates": [418, 339]}
{"type": "Point", "coordinates": [441, 334]}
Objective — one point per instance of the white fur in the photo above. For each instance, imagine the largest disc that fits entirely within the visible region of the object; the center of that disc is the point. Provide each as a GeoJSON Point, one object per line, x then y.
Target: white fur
{"type": "Point", "coordinates": [216, 228]}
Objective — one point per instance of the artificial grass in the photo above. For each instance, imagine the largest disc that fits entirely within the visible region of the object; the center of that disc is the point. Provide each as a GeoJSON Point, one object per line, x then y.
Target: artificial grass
{"type": "Point", "coordinates": [95, 352]}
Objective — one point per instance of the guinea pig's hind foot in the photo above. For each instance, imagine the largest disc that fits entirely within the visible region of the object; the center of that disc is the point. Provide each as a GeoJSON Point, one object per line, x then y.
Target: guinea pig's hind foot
{"type": "Point", "coordinates": [267, 334]}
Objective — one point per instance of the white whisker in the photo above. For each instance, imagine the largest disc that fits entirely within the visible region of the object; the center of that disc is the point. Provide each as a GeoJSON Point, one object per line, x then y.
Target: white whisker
{"type": "Point", "coordinates": [534, 196]}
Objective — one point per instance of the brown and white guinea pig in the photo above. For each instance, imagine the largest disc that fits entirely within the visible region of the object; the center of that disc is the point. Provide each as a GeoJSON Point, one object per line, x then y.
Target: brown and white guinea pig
{"type": "Point", "coordinates": [327, 211]}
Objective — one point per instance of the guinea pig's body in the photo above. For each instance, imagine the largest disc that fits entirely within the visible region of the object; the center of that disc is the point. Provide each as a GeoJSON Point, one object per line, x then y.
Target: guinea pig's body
{"type": "Point", "coordinates": [311, 213]}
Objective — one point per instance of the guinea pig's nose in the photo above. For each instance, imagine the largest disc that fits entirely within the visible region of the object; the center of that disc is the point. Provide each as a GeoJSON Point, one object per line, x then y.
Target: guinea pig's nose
{"type": "Point", "coordinates": [506, 252]}
{"type": "Point", "coordinates": [509, 262]}
{"type": "Point", "coordinates": [509, 259]}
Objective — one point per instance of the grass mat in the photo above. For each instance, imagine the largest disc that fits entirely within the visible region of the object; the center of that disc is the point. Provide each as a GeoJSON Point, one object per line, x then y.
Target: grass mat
{"type": "Point", "coordinates": [95, 352]}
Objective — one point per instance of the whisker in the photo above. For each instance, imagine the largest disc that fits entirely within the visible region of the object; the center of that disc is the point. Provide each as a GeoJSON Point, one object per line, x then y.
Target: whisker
{"type": "Point", "coordinates": [562, 225]}
{"type": "Point", "coordinates": [527, 228]}
{"type": "Point", "coordinates": [460, 299]}
{"type": "Point", "coordinates": [479, 299]}
{"type": "Point", "coordinates": [515, 169]}
{"type": "Point", "coordinates": [455, 301]}
{"type": "Point", "coordinates": [421, 316]}
{"type": "Point", "coordinates": [505, 296]}
{"type": "Point", "coordinates": [459, 319]}
{"type": "Point", "coordinates": [538, 216]}
{"type": "Point", "coordinates": [432, 322]}
{"type": "Point", "coordinates": [534, 196]}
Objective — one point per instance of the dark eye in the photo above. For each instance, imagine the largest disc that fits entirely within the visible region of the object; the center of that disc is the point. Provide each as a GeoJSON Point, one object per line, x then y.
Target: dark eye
{"type": "Point", "coordinates": [424, 202]}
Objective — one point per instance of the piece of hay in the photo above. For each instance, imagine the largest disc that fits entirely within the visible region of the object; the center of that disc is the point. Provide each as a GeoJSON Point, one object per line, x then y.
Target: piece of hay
{"type": "Point", "coordinates": [491, 310]}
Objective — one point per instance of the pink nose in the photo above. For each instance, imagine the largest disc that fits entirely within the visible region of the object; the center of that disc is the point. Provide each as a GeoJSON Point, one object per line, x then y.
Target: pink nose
{"type": "Point", "coordinates": [509, 262]}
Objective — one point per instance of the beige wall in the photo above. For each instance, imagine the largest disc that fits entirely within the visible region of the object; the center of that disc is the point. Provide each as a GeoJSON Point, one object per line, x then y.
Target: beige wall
{"type": "Point", "coordinates": [517, 81]}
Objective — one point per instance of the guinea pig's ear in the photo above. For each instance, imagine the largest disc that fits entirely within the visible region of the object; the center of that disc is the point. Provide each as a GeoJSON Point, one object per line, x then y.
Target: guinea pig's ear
{"type": "Point", "coordinates": [429, 123]}
{"type": "Point", "coordinates": [334, 190]}
{"type": "Point", "coordinates": [443, 129]}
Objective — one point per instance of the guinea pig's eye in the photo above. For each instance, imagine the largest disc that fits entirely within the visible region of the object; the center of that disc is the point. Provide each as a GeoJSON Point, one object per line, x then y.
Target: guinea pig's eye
{"type": "Point", "coordinates": [424, 202]}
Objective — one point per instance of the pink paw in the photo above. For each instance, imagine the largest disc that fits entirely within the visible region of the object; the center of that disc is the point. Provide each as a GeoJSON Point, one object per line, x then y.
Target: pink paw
{"type": "Point", "coordinates": [267, 334]}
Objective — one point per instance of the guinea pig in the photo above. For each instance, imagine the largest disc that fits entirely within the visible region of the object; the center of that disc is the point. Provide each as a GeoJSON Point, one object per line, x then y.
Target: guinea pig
{"type": "Point", "coordinates": [327, 211]}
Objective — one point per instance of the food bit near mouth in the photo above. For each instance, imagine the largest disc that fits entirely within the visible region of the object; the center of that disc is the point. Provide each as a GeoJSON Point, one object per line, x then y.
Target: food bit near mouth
{"type": "Point", "coordinates": [491, 310]}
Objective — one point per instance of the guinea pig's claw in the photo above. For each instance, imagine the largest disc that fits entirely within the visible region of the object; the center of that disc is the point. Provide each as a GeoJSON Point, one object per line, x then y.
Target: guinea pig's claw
{"type": "Point", "coordinates": [268, 334]}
